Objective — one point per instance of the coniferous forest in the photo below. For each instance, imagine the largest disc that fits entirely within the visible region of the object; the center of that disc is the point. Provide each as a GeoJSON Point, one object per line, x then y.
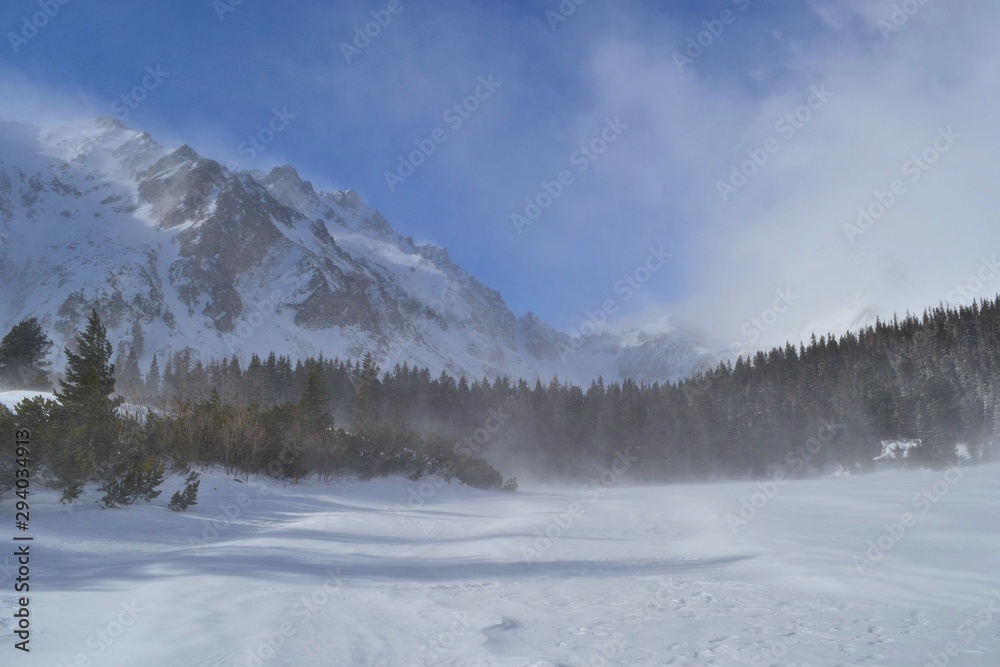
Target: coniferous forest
{"type": "Point", "coordinates": [806, 410]}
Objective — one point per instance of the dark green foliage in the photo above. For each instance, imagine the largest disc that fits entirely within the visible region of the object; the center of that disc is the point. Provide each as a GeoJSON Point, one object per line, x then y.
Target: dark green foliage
{"type": "Point", "coordinates": [131, 470]}
{"type": "Point", "coordinates": [86, 393]}
{"type": "Point", "coordinates": [804, 409]}
{"type": "Point", "coordinates": [129, 379]}
{"type": "Point", "coordinates": [66, 466]}
{"type": "Point", "coordinates": [181, 500]}
{"type": "Point", "coordinates": [37, 415]}
{"type": "Point", "coordinates": [799, 409]}
{"type": "Point", "coordinates": [369, 422]}
{"type": "Point", "coordinates": [22, 357]}
{"type": "Point", "coordinates": [314, 406]}
{"type": "Point", "coordinates": [479, 474]}
{"type": "Point", "coordinates": [153, 380]}
{"type": "Point", "coordinates": [131, 480]}
{"type": "Point", "coordinates": [86, 425]}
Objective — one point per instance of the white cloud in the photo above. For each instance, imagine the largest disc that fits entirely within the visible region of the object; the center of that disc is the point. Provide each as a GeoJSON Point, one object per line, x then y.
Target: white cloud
{"type": "Point", "coordinates": [657, 184]}
{"type": "Point", "coordinates": [785, 227]}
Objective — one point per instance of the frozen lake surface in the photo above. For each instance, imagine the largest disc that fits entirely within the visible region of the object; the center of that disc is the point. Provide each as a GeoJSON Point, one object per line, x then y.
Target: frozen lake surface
{"type": "Point", "coordinates": [894, 568]}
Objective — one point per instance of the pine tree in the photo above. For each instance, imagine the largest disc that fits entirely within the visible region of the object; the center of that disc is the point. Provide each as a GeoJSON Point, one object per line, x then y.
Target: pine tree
{"type": "Point", "coordinates": [138, 339]}
{"type": "Point", "coordinates": [90, 424]}
{"type": "Point", "coordinates": [22, 356]}
{"type": "Point", "coordinates": [368, 422]}
{"type": "Point", "coordinates": [313, 405]}
{"type": "Point", "coordinates": [153, 379]}
{"type": "Point", "coordinates": [90, 376]}
{"type": "Point", "coordinates": [181, 500]}
{"type": "Point", "coordinates": [130, 377]}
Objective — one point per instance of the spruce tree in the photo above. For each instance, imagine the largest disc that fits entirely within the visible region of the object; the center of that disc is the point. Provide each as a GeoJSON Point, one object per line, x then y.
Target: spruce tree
{"type": "Point", "coordinates": [90, 423]}
{"type": "Point", "coordinates": [368, 422]}
{"type": "Point", "coordinates": [138, 339]}
{"type": "Point", "coordinates": [130, 377]}
{"type": "Point", "coordinates": [314, 403]}
{"type": "Point", "coordinates": [153, 379]}
{"type": "Point", "coordinates": [87, 391]}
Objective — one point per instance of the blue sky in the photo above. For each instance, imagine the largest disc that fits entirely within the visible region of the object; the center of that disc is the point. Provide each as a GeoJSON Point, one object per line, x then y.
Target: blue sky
{"type": "Point", "coordinates": [686, 125]}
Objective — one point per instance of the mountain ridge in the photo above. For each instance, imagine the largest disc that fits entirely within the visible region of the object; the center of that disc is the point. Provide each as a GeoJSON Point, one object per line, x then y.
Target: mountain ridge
{"type": "Point", "coordinates": [177, 249]}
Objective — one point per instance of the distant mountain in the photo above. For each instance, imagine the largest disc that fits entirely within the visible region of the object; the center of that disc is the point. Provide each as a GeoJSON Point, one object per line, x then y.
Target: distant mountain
{"type": "Point", "coordinates": [177, 251]}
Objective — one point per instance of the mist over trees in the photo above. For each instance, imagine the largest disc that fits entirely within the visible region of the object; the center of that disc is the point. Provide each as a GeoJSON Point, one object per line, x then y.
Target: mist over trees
{"type": "Point", "coordinates": [807, 409]}
{"type": "Point", "coordinates": [22, 356]}
{"type": "Point", "coordinates": [804, 410]}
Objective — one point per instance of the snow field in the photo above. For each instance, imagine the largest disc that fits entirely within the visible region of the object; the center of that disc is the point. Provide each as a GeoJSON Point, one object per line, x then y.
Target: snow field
{"type": "Point", "coordinates": [361, 574]}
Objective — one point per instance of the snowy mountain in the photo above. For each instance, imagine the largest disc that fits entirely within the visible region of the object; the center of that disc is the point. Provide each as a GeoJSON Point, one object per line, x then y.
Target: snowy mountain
{"type": "Point", "coordinates": [177, 251]}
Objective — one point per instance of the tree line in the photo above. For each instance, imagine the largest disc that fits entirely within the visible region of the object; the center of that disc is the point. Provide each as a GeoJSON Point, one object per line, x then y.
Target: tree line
{"type": "Point", "coordinates": [126, 440]}
{"type": "Point", "coordinates": [806, 409]}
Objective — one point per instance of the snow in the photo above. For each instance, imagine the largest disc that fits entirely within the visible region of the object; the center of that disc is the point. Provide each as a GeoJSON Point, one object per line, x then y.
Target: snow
{"type": "Point", "coordinates": [13, 397]}
{"type": "Point", "coordinates": [394, 572]}
{"type": "Point", "coordinates": [81, 234]}
{"type": "Point", "coordinates": [897, 449]}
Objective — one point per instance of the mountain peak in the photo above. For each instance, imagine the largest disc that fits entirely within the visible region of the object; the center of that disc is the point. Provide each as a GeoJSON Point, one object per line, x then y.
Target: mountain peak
{"type": "Point", "coordinates": [285, 178]}
{"type": "Point", "coordinates": [185, 153]}
{"type": "Point", "coordinates": [228, 263]}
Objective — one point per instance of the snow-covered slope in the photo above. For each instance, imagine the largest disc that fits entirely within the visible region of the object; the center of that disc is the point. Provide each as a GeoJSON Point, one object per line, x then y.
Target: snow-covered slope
{"type": "Point", "coordinates": [177, 251]}
{"type": "Point", "coordinates": [398, 573]}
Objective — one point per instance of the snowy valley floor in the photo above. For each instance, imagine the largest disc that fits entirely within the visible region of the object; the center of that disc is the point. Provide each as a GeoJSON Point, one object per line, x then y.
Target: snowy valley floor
{"type": "Point", "coordinates": [348, 574]}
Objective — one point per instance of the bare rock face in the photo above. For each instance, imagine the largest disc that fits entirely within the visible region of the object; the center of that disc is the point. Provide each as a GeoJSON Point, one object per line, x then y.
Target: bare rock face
{"type": "Point", "coordinates": [6, 206]}
{"type": "Point", "coordinates": [178, 186]}
{"type": "Point", "coordinates": [232, 242]}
